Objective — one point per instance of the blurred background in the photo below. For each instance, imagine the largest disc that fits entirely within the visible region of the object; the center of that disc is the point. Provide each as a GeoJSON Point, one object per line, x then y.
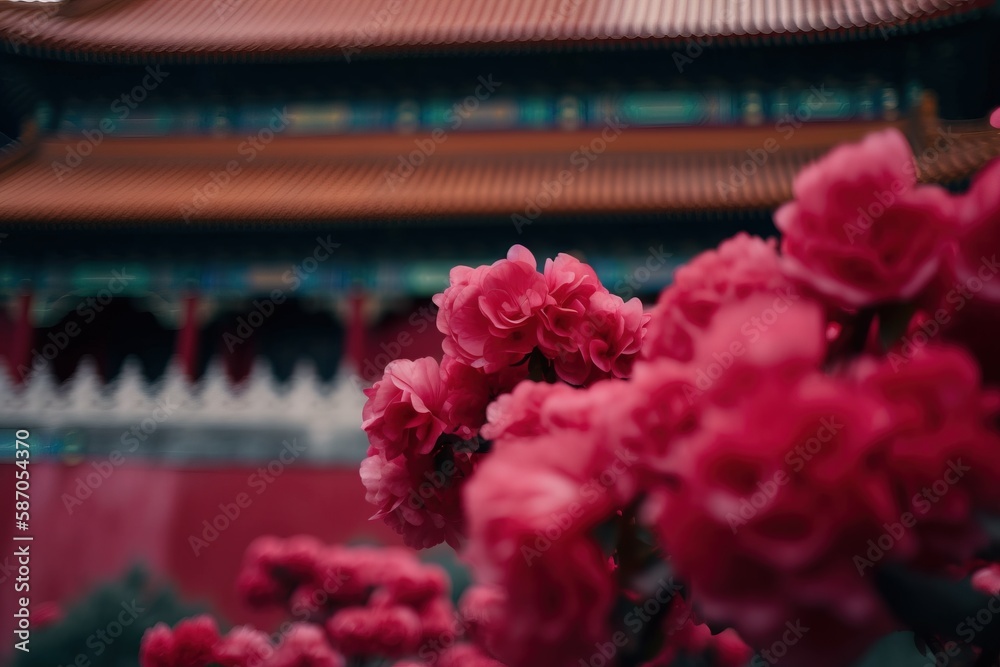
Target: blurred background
{"type": "Point", "coordinates": [219, 220]}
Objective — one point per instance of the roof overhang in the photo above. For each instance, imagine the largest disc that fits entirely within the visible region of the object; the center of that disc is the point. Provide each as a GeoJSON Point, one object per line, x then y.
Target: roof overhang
{"type": "Point", "coordinates": [500, 175]}
{"type": "Point", "coordinates": [251, 29]}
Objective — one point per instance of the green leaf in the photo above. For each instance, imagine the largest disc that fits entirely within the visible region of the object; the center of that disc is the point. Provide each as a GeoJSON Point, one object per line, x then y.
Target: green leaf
{"type": "Point", "coordinates": [540, 369]}
{"type": "Point", "coordinates": [607, 534]}
{"type": "Point", "coordinates": [536, 366]}
{"type": "Point", "coordinates": [893, 321]}
{"type": "Point", "coordinates": [934, 606]}
{"type": "Point", "coordinates": [991, 526]}
{"type": "Point", "coordinates": [894, 650]}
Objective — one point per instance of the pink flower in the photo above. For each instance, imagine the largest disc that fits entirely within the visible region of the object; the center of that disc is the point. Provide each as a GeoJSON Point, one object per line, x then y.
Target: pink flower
{"type": "Point", "coordinates": [995, 118]}
{"type": "Point", "coordinates": [570, 281]}
{"type": "Point", "coordinates": [195, 640]}
{"type": "Point", "coordinates": [967, 290]}
{"type": "Point", "coordinates": [192, 643]}
{"type": "Point", "coordinates": [571, 284]}
{"type": "Point", "coordinates": [274, 569]}
{"type": "Point", "coordinates": [774, 494]}
{"type": "Point", "coordinates": [438, 626]}
{"type": "Point", "coordinates": [537, 408]}
{"type": "Point", "coordinates": [518, 414]}
{"type": "Point", "coordinates": [265, 552]}
{"type": "Point", "coordinates": [532, 507]}
{"type": "Point", "coordinates": [685, 636]}
{"type": "Point", "coordinates": [730, 649]}
{"type": "Point", "coordinates": [585, 410]}
{"type": "Point", "coordinates": [258, 590]}
{"type": "Point", "coordinates": [981, 229]}
{"type": "Point", "coordinates": [470, 391]}
{"type": "Point", "coordinates": [943, 451]}
{"type": "Point", "coordinates": [311, 603]}
{"type": "Point", "coordinates": [482, 609]}
{"type": "Point", "coordinates": [860, 230]}
{"type": "Point", "coordinates": [467, 655]}
{"type": "Point", "coordinates": [305, 645]}
{"type": "Point", "coordinates": [656, 408]}
{"type": "Point", "coordinates": [416, 499]}
{"type": "Point", "coordinates": [783, 335]}
{"type": "Point", "coordinates": [379, 566]}
{"type": "Point", "coordinates": [620, 329]}
{"type": "Point", "coordinates": [390, 632]}
{"type": "Point", "coordinates": [243, 647]}
{"type": "Point", "coordinates": [465, 328]}
{"type": "Point", "coordinates": [748, 341]}
{"type": "Point", "coordinates": [158, 647]}
{"type": "Point", "coordinates": [513, 291]}
{"type": "Point", "coordinates": [600, 342]}
{"type": "Point", "coordinates": [297, 556]}
{"type": "Point", "coordinates": [489, 315]}
{"type": "Point", "coordinates": [987, 580]}
{"type": "Point", "coordinates": [740, 267]}
{"type": "Point", "coordinates": [410, 582]}
{"type": "Point", "coordinates": [403, 411]}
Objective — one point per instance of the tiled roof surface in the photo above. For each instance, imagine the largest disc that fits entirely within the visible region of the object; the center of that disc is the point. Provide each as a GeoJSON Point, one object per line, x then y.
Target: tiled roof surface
{"type": "Point", "coordinates": [248, 28]}
{"type": "Point", "coordinates": [641, 171]}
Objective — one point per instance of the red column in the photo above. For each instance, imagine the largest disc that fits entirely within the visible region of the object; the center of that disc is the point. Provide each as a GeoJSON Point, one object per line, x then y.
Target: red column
{"type": "Point", "coordinates": [19, 357]}
{"type": "Point", "coordinates": [357, 344]}
{"type": "Point", "coordinates": [187, 337]}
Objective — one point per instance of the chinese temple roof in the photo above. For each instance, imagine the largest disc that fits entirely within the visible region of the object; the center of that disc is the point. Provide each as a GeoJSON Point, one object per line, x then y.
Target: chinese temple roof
{"type": "Point", "coordinates": [249, 29]}
{"type": "Point", "coordinates": [362, 178]}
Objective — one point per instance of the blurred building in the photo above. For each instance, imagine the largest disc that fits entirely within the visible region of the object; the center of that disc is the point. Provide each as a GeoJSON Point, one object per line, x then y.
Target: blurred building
{"type": "Point", "coordinates": [220, 219]}
{"type": "Point", "coordinates": [249, 203]}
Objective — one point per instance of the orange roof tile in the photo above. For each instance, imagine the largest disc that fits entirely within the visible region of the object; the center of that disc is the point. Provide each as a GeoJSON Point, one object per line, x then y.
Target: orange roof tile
{"type": "Point", "coordinates": [244, 29]}
{"type": "Point", "coordinates": [126, 181]}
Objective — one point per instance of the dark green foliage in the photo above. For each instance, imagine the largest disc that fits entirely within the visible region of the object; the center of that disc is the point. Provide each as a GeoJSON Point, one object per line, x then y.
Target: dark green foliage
{"type": "Point", "coordinates": [83, 637]}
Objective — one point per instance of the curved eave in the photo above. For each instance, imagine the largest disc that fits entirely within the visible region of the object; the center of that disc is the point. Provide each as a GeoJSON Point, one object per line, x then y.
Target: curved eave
{"type": "Point", "coordinates": [192, 30]}
{"type": "Point", "coordinates": [329, 179]}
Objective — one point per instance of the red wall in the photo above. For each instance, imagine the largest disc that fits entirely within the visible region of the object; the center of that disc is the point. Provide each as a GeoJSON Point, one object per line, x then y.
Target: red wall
{"type": "Point", "coordinates": [147, 513]}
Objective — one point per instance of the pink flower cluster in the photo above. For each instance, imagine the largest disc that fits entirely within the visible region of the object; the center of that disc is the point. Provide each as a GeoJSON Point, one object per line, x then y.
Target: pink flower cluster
{"type": "Point", "coordinates": [415, 491]}
{"type": "Point", "coordinates": [197, 642]}
{"type": "Point", "coordinates": [798, 430]}
{"type": "Point", "coordinates": [795, 420]}
{"type": "Point", "coordinates": [793, 414]}
{"type": "Point", "coordinates": [495, 316]}
{"type": "Point", "coordinates": [502, 324]}
{"type": "Point", "coordinates": [358, 606]}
